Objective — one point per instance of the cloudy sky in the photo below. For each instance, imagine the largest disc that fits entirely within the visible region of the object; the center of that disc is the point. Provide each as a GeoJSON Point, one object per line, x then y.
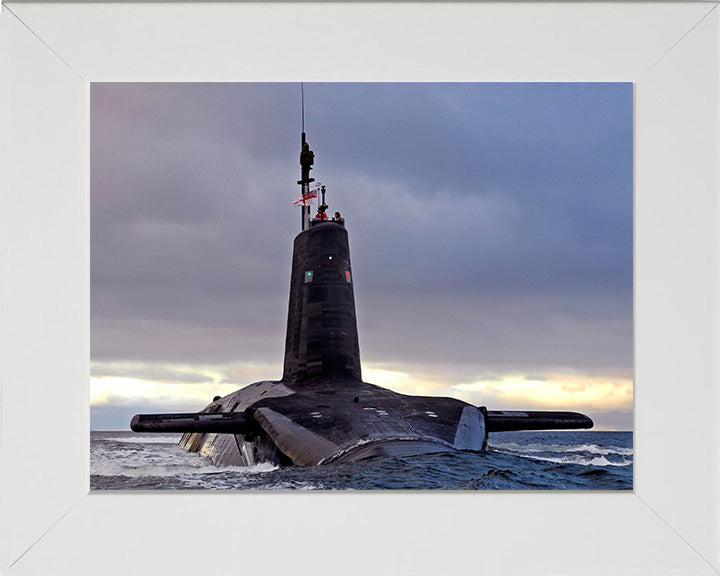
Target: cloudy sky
{"type": "Point", "coordinates": [490, 227]}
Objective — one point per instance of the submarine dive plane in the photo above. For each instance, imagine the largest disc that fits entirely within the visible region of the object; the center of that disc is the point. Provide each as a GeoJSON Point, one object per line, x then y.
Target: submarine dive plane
{"type": "Point", "coordinates": [321, 411]}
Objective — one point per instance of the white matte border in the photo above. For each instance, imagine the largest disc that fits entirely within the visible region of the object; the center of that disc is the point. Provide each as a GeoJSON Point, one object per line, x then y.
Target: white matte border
{"type": "Point", "coordinates": [51, 525]}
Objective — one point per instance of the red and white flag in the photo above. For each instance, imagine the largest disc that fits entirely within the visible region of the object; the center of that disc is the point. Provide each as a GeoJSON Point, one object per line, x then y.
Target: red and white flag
{"type": "Point", "coordinates": [306, 198]}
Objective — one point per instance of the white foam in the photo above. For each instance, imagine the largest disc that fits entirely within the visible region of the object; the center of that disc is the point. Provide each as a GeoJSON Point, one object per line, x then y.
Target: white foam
{"type": "Point", "coordinates": [599, 461]}
{"type": "Point", "coordinates": [151, 458]}
{"type": "Point", "coordinates": [603, 450]}
{"type": "Point", "coordinates": [591, 448]}
{"type": "Point", "coordinates": [159, 469]}
{"type": "Point", "coordinates": [582, 454]}
{"type": "Point", "coordinates": [292, 486]}
{"type": "Point", "coordinates": [575, 459]}
{"type": "Point", "coordinates": [145, 439]}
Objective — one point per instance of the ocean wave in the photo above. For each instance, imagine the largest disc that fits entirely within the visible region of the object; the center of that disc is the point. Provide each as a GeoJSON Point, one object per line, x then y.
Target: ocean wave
{"type": "Point", "coordinates": [573, 459]}
{"type": "Point", "coordinates": [539, 448]}
{"type": "Point", "coordinates": [145, 439]}
{"type": "Point", "coordinates": [603, 450]}
{"type": "Point", "coordinates": [141, 462]}
{"type": "Point", "coordinates": [293, 486]}
{"type": "Point", "coordinates": [598, 461]}
{"type": "Point", "coordinates": [159, 469]}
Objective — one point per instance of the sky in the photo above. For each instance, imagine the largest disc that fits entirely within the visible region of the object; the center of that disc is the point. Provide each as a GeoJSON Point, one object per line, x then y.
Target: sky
{"type": "Point", "coordinates": [490, 228]}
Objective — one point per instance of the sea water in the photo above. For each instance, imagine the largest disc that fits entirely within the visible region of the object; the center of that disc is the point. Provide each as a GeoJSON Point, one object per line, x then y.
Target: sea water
{"type": "Point", "coordinates": [585, 460]}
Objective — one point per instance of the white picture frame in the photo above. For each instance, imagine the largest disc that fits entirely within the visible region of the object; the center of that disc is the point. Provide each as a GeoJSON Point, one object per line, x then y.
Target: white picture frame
{"type": "Point", "coordinates": [50, 523]}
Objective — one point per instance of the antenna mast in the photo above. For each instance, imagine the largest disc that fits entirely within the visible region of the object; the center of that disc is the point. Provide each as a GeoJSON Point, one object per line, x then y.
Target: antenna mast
{"type": "Point", "coordinates": [307, 157]}
{"type": "Point", "coordinates": [302, 100]}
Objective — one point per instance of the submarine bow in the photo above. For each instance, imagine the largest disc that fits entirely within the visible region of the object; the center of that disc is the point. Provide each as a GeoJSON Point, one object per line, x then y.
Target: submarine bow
{"type": "Point", "coordinates": [321, 410]}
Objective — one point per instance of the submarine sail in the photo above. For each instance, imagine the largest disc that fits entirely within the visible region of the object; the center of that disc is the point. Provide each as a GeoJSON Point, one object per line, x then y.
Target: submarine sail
{"type": "Point", "coordinates": [321, 410]}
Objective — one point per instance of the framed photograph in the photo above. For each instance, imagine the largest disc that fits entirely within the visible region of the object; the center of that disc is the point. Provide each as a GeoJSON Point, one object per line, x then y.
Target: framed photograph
{"type": "Point", "coordinates": [51, 53]}
{"type": "Point", "coordinates": [491, 226]}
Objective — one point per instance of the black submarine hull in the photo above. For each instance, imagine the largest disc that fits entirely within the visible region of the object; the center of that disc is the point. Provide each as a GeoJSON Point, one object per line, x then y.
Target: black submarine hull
{"type": "Point", "coordinates": [321, 411]}
{"type": "Point", "coordinates": [338, 421]}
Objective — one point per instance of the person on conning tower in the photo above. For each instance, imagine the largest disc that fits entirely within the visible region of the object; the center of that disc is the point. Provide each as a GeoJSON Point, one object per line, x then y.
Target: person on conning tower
{"type": "Point", "coordinates": [321, 215]}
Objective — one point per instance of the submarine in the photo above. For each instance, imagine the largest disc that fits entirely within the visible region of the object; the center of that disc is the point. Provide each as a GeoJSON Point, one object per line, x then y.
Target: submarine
{"type": "Point", "coordinates": [322, 411]}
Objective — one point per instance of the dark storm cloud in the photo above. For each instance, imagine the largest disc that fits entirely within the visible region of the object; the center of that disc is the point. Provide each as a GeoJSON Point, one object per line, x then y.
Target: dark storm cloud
{"type": "Point", "coordinates": [488, 223]}
{"type": "Point", "coordinates": [556, 158]}
{"type": "Point", "coordinates": [537, 139]}
{"type": "Point", "coordinates": [182, 243]}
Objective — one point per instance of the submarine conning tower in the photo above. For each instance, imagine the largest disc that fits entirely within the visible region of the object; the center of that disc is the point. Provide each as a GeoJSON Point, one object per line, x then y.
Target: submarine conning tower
{"type": "Point", "coordinates": [322, 337]}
